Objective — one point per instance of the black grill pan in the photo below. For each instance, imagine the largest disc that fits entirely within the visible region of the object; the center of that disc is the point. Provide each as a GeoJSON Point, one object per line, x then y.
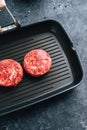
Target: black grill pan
{"type": "Point", "coordinates": [66, 72]}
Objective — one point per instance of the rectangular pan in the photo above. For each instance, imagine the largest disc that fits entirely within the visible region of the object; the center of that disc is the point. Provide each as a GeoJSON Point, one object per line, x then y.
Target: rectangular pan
{"type": "Point", "coordinates": [66, 72]}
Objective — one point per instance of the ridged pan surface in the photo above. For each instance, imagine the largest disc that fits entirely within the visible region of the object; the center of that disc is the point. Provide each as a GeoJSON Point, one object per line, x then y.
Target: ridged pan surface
{"type": "Point", "coordinates": [32, 90]}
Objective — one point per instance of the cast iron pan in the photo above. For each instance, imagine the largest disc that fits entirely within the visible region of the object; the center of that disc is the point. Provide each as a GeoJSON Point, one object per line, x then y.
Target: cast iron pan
{"type": "Point", "coordinates": [66, 72]}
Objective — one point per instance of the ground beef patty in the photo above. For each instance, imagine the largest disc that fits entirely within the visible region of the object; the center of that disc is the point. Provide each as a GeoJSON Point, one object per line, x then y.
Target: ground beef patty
{"type": "Point", "coordinates": [11, 73]}
{"type": "Point", "coordinates": [37, 62]}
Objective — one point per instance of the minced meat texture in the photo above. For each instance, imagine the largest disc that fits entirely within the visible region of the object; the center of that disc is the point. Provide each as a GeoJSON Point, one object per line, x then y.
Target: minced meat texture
{"type": "Point", "coordinates": [11, 73]}
{"type": "Point", "coordinates": [37, 62]}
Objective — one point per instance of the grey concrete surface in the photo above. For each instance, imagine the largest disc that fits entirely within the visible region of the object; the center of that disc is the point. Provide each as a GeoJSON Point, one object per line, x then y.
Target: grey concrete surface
{"type": "Point", "coordinates": [67, 111]}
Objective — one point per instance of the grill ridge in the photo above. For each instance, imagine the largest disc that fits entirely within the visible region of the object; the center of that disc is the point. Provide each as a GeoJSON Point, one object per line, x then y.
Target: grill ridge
{"type": "Point", "coordinates": [29, 88]}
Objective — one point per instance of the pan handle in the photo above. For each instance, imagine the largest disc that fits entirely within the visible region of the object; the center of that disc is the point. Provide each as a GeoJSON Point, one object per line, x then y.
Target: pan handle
{"type": "Point", "coordinates": [2, 4]}
{"type": "Point", "coordinates": [16, 23]}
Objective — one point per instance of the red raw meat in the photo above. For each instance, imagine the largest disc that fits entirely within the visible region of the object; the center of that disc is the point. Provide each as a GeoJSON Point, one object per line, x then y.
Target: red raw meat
{"type": "Point", "coordinates": [11, 73]}
{"type": "Point", "coordinates": [37, 62]}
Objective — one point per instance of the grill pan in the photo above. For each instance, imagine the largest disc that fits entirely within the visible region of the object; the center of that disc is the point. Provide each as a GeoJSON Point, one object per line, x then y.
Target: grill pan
{"type": "Point", "coordinates": [66, 72]}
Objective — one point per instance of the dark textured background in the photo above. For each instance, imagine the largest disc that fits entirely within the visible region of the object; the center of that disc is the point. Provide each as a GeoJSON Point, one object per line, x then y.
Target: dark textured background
{"type": "Point", "coordinates": [67, 111]}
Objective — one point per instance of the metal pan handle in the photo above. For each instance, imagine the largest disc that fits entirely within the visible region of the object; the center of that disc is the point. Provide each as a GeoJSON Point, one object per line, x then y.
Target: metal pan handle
{"type": "Point", "coordinates": [2, 4]}
{"type": "Point", "coordinates": [16, 23]}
